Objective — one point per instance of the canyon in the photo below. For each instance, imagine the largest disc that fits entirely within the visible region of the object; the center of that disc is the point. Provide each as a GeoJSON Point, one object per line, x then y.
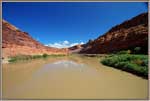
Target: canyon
{"type": "Point", "coordinates": [127, 35]}
{"type": "Point", "coordinates": [16, 42]}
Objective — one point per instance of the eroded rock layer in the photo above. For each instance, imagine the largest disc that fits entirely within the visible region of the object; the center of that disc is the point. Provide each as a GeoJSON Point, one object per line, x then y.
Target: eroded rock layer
{"type": "Point", "coordinates": [15, 42]}
{"type": "Point", "coordinates": [129, 34]}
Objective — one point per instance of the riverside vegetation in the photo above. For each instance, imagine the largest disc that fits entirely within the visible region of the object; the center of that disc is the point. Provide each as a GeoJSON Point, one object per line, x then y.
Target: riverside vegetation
{"type": "Point", "coordinates": [133, 63]}
{"type": "Point", "coordinates": [29, 57]}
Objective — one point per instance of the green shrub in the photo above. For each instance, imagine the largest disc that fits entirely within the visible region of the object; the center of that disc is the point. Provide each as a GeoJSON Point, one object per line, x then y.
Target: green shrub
{"type": "Point", "coordinates": [29, 57]}
{"type": "Point", "coordinates": [45, 55]}
{"type": "Point", "coordinates": [137, 64]}
{"type": "Point", "coordinates": [23, 57]}
{"type": "Point", "coordinates": [12, 60]}
{"type": "Point", "coordinates": [124, 52]}
{"type": "Point", "coordinates": [36, 56]}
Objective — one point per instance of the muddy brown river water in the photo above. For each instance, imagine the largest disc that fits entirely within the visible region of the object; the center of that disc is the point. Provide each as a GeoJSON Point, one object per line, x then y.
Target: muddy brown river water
{"type": "Point", "coordinates": [69, 77]}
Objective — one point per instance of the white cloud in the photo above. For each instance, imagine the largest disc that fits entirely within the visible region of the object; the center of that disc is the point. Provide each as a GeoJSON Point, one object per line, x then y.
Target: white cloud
{"type": "Point", "coordinates": [66, 42]}
{"type": "Point", "coordinates": [63, 44]}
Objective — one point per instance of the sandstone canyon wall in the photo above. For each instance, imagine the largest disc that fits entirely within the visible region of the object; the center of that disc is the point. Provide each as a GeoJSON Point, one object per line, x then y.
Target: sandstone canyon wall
{"type": "Point", "coordinates": [129, 34]}
{"type": "Point", "coordinates": [16, 42]}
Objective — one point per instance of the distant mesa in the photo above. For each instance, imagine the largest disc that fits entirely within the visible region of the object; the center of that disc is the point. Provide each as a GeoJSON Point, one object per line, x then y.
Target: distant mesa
{"type": "Point", "coordinates": [76, 48]}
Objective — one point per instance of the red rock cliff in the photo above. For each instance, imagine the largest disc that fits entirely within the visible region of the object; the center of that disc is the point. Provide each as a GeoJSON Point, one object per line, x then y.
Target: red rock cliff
{"type": "Point", "coordinates": [16, 42]}
{"type": "Point", "coordinates": [127, 35]}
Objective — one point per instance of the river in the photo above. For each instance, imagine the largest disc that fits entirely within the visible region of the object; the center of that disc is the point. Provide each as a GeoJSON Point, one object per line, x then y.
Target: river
{"type": "Point", "coordinates": [69, 77]}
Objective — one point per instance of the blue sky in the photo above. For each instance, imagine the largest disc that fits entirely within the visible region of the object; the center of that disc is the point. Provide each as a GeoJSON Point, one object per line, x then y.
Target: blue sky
{"type": "Point", "coordinates": [62, 24]}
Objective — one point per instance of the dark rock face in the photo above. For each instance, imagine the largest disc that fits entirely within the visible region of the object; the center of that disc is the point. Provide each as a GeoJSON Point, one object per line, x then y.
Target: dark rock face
{"type": "Point", "coordinates": [129, 34]}
{"type": "Point", "coordinates": [15, 42]}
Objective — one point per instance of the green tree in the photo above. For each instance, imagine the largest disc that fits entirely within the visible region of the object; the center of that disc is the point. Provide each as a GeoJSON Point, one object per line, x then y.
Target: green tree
{"type": "Point", "coordinates": [45, 55]}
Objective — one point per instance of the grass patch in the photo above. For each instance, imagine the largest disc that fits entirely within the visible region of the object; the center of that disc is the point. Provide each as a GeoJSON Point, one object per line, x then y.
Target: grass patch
{"type": "Point", "coordinates": [29, 57]}
{"type": "Point", "coordinates": [136, 64]}
{"type": "Point", "coordinates": [56, 55]}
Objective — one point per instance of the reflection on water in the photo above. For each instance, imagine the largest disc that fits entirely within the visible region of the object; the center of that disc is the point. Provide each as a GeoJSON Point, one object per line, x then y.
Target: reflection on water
{"type": "Point", "coordinates": [70, 77]}
{"type": "Point", "coordinates": [65, 64]}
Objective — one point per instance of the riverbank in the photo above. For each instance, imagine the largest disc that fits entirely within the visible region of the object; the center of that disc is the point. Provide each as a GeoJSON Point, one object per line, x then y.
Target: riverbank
{"type": "Point", "coordinates": [135, 64]}
{"type": "Point", "coordinates": [95, 55]}
{"type": "Point", "coordinates": [132, 63]}
{"type": "Point", "coordinates": [28, 57]}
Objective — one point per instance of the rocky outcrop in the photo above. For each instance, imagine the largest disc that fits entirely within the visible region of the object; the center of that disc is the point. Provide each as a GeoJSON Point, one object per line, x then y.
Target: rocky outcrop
{"type": "Point", "coordinates": [129, 34]}
{"type": "Point", "coordinates": [15, 42]}
{"type": "Point", "coordinates": [76, 48]}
